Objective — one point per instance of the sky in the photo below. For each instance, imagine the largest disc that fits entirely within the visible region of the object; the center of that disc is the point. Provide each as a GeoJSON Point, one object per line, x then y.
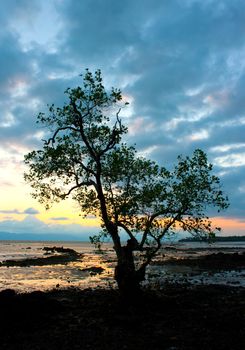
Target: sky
{"type": "Point", "coordinates": [180, 64]}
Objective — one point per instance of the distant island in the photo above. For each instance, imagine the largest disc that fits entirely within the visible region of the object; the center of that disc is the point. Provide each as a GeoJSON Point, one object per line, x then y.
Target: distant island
{"type": "Point", "coordinates": [9, 236]}
{"type": "Point", "coordinates": [216, 239]}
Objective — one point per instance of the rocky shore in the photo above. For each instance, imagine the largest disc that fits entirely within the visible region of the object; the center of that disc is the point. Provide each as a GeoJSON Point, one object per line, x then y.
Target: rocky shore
{"type": "Point", "coordinates": [59, 255]}
{"type": "Point", "coordinates": [213, 261]}
{"type": "Point", "coordinates": [177, 317]}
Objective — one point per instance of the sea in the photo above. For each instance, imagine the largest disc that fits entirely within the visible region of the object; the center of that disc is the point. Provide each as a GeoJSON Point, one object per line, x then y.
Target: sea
{"type": "Point", "coordinates": [80, 273]}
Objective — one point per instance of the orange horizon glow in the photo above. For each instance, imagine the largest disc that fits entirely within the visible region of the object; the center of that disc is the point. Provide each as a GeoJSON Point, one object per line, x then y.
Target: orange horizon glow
{"type": "Point", "coordinates": [229, 225]}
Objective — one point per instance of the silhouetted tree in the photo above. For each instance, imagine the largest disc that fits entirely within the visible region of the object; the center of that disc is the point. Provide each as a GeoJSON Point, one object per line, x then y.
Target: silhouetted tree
{"type": "Point", "coordinates": [85, 157]}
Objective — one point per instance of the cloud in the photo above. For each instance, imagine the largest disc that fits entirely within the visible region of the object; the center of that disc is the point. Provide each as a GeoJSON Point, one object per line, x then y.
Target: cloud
{"type": "Point", "coordinates": [231, 160]}
{"type": "Point", "coordinates": [32, 225]}
{"type": "Point", "coordinates": [61, 218]}
{"type": "Point", "coordinates": [11, 211]}
{"type": "Point", "coordinates": [29, 211]}
{"type": "Point", "coordinates": [181, 63]}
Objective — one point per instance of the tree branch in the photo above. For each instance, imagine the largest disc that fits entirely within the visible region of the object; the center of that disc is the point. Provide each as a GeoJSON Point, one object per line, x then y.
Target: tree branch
{"type": "Point", "coordinates": [84, 137]}
{"type": "Point", "coordinates": [198, 230]}
{"type": "Point", "coordinates": [152, 218]}
{"type": "Point", "coordinates": [158, 240]}
{"type": "Point", "coordinates": [133, 239]}
{"type": "Point", "coordinates": [84, 183]}
{"type": "Point", "coordinates": [52, 139]}
{"type": "Point", "coordinates": [115, 133]}
{"type": "Point", "coordinates": [88, 170]}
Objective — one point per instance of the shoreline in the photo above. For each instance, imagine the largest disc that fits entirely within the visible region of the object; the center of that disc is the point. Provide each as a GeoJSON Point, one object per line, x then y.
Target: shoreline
{"type": "Point", "coordinates": [62, 267]}
{"type": "Point", "coordinates": [166, 316]}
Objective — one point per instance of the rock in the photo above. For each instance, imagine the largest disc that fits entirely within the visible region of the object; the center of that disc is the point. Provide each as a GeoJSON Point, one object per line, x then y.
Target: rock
{"type": "Point", "coordinates": [65, 256]}
{"type": "Point", "coordinates": [7, 294]}
{"type": "Point", "coordinates": [170, 248]}
{"type": "Point", "coordinates": [94, 270]}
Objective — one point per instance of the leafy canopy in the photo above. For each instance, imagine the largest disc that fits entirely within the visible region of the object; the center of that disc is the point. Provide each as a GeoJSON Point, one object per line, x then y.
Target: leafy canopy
{"type": "Point", "coordinates": [84, 157]}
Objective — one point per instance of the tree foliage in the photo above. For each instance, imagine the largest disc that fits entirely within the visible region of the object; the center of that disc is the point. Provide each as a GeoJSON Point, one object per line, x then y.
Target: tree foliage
{"type": "Point", "coordinates": [85, 157]}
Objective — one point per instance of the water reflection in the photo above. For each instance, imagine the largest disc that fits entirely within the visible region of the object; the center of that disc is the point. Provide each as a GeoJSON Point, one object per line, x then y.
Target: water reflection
{"type": "Point", "coordinates": [54, 276]}
{"type": "Point", "coordinates": [32, 278]}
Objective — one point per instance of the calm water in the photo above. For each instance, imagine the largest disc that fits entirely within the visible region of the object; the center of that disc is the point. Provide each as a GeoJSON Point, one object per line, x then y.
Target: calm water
{"type": "Point", "coordinates": [51, 276]}
{"type": "Point", "coordinates": [59, 276]}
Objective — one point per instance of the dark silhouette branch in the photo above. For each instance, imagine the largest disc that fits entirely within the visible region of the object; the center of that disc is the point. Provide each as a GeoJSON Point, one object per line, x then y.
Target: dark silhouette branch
{"type": "Point", "coordinates": [158, 239]}
{"type": "Point", "coordinates": [128, 192]}
{"type": "Point", "coordinates": [148, 226]}
{"type": "Point", "coordinates": [84, 183]}
{"type": "Point", "coordinates": [84, 167]}
{"type": "Point", "coordinates": [133, 239]}
{"type": "Point", "coordinates": [82, 133]}
{"type": "Point", "coordinates": [115, 132]}
{"type": "Point", "coordinates": [52, 139]}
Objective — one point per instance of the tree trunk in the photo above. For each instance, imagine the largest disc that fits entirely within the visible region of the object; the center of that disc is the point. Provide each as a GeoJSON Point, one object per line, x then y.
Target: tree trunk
{"type": "Point", "coordinates": [128, 279]}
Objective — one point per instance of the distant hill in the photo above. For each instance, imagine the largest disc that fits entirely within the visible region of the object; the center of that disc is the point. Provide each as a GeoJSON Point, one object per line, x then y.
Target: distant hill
{"type": "Point", "coordinates": [7, 236]}
{"type": "Point", "coordinates": [216, 239]}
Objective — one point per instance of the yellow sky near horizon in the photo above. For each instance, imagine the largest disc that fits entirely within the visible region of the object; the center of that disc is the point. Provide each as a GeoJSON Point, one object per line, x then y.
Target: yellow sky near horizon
{"type": "Point", "coordinates": [16, 198]}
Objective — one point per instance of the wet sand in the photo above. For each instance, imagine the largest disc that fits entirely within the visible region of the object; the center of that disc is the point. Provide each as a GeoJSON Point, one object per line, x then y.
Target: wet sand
{"type": "Point", "coordinates": [63, 267]}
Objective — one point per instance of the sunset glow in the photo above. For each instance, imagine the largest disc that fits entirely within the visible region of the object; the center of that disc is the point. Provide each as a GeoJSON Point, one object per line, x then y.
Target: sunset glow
{"type": "Point", "coordinates": [183, 76]}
